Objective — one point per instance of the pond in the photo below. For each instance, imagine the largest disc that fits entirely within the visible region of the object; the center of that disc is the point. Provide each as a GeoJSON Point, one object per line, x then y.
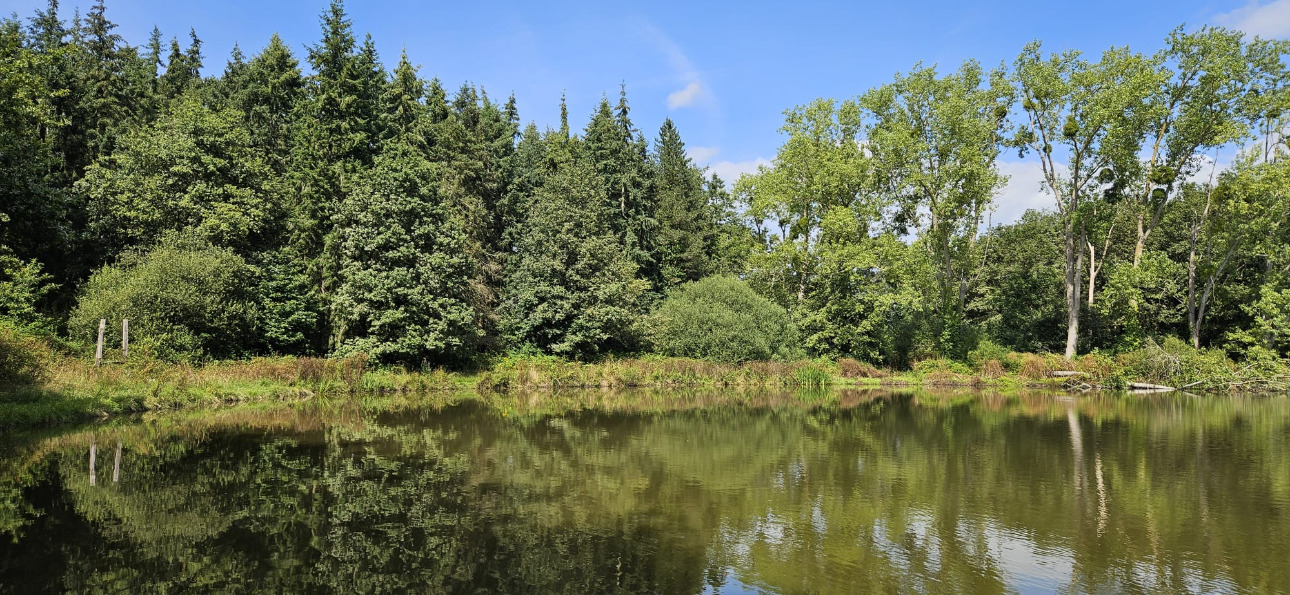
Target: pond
{"type": "Point", "coordinates": [848, 492]}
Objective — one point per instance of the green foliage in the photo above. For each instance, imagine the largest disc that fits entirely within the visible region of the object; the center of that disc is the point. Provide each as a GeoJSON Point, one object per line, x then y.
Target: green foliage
{"type": "Point", "coordinates": [404, 274]}
{"type": "Point", "coordinates": [720, 319]}
{"type": "Point", "coordinates": [936, 139]}
{"type": "Point", "coordinates": [865, 298]}
{"type": "Point", "coordinates": [24, 358]}
{"type": "Point", "coordinates": [1173, 362]}
{"type": "Point", "coordinates": [1021, 305]}
{"type": "Point", "coordinates": [572, 290]}
{"type": "Point", "coordinates": [381, 214]}
{"type": "Point", "coordinates": [985, 351]}
{"type": "Point", "coordinates": [686, 225]}
{"type": "Point", "coordinates": [185, 299]}
{"type": "Point", "coordinates": [22, 287]}
{"type": "Point", "coordinates": [194, 169]}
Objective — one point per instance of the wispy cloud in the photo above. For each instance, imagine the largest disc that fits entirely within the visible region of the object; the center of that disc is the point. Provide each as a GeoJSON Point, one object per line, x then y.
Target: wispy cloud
{"type": "Point", "coordinates": [694, 91]}
{"type": "Point", "coordinates": [1024, 191]}
{"type": "Point", "coordinates": [731, 170]}
{"type": "Point", "coordinates": [702, 154]}
{"type": "Point", "coordinates": [685, 97]}
{"type": "Point", "coordinates": [728, 170]}
{"type": "Point", "coordinates": [1264, 20]}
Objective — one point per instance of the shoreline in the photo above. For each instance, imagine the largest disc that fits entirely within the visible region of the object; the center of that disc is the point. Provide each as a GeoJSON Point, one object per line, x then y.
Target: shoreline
{"type": "Point", "coordinates": [75, 391]}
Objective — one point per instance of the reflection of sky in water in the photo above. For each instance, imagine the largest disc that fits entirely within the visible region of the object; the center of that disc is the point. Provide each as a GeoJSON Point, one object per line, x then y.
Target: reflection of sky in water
{"type": "Point", "coordinates": [1023, 565]}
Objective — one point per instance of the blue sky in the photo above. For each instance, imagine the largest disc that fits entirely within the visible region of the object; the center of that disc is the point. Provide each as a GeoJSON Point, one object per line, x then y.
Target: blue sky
{"type": "Point", "coordinates": [724, 72]}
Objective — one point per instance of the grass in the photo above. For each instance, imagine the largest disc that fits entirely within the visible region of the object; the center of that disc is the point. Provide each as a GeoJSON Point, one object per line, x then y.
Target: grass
{"type": "Point", "coordinates": [68, 389]}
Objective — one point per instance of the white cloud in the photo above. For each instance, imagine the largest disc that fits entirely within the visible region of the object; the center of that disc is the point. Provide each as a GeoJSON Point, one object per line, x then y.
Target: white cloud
{"type": "Point", "coordinates": [695, 91]}
{"type": "Point", "coordinates": [1264, 20]}
{"type": "Point", "coordinates": [731, 170]}
{"type": "Point", "coordinates": [702, 154]}
{"type": "Point", "coordinates": [1207, 170]}
{"type": "Point", "coordinates": [685, 97]}
{"type": "Point", "coordinates": [1024, 191]}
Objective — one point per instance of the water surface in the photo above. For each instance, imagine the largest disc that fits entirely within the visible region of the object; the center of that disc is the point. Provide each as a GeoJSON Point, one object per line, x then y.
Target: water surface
{"type": "Point", "coordinates": [835, 493]}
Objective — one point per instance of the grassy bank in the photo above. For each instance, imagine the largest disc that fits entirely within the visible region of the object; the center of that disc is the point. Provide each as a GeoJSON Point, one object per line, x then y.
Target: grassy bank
{"type": "Point", "coordinates": [57, 388]}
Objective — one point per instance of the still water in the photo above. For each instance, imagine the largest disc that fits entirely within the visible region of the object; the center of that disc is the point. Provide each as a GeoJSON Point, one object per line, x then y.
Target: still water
{"type": "Point", "coordinates": [836, 493]}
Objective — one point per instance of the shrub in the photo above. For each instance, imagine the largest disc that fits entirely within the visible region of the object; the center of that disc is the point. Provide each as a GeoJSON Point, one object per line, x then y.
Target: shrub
{"type": "Point", "coordinates": [22, 286]}
{"type": "Point", "coordinates": [850, 368]}
{"type": "Point", "coordinates": [1175, 363]}
{"type": "Point", "coordinates": [720, 319]}
{"type": "Point", "coordinates": [940, 366]}
{"type": "Point", "coordinates": [985, 351]}
{"type": "Point", "coordinates": [184, 298]}
{"type": "Point", "coordinates": [24, 359]}
{"type": "Point", "coordinates": [992, 369]}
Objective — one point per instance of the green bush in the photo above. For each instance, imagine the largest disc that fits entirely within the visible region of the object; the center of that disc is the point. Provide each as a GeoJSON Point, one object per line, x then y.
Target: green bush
{"type": "Point", "coordinates": [185, 299]}
{"type": "Point", "coordinates": [985, 351]}
{"type": "Point", "coordinates": [720, 319]}
{"type": "Point", "coordinates": [1175, 363]}
{"type": "Point", "coordinates": [23, 358]}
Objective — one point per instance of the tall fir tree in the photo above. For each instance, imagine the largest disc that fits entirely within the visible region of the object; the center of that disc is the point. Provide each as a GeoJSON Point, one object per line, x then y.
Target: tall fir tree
{"type": "Point", "coordinates": [571, 289]}
{"type": "Point", "coordinates": [686, 230]}
{"type": "Point", "coordinates": [619, 154]}
{"type": "Point", "coordinates": [333, 142]}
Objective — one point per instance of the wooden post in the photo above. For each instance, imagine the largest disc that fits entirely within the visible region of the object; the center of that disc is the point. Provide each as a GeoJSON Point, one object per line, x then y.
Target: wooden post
{"type": "Point", "coordinates": [116, 467]}
{"type": "Point", "coordinates": [125, 338]}
{"type": "Point", "coordinates": [98, 353]}
{"type": "Point", "coordinates": [94, 451]}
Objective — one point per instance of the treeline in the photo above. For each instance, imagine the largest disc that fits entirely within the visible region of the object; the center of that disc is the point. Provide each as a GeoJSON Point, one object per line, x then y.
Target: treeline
{"type": "Point", "coordinates": [332, 206]}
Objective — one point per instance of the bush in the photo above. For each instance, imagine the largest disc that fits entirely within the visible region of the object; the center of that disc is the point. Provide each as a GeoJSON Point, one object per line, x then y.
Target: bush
{"type": "Point", "coordinates": [985, 351]}
{"type": "Point", "coordinates": [850, 368]}
{"type": "Point", "coordinates": [720, 319]}
{"type": "Point", "coordinates": [24, 359]}
{"type": "Point", "coordinates": [185, 299]}
{"type": "Point", "coordinates": [1175, 363]}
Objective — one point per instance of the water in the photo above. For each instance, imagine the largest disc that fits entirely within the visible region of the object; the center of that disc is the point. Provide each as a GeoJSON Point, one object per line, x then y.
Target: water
{"type": "Point", "coordinates": [863, 492]}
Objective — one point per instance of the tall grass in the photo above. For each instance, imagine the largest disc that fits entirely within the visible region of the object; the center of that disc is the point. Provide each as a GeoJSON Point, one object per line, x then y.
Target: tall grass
{"type": "Point", "coordinates": [543, 372]}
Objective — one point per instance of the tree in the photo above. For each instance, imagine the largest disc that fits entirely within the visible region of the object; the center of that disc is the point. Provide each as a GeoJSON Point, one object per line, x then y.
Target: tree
{"type": "Point", "coordinates": [1091, 111]}
{"type": "Point", "coordinates": [686, 225]}
{"type": "Point", "coordinates": [1021, 305]}
{"type": "Point", "coordinates": [934, 141]}
{"type": "Point", "coordinates": [1246, 209]}
{"type": "Point", "coordinates": [619, 154]}
{"type": "Point", "coordinates": [1206, 98]}
{"type": "Point", "coordinates": [572, 289]}
{"type": "Point", "coordinates": [333, 141]}
{"type": "Point", "coordinates": [866, 299]}
{"type": "Point", "coordinates": [819, 167]}
{"type": "Point", "coordinates": [404, 279]}
{"type": "Point", "coordinates": [194, 169]}
{"type": "Point", "coordinates": [474, 141]}
{"type": "Point", "coordinates": [183, 68]}
{"type": "Point", "coordinates": [33, 213]}
{"type": "Point", "coordinates": [272, 86]}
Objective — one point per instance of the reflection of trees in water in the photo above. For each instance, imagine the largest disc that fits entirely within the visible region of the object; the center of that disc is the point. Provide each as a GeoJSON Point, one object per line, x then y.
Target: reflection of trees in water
{"type": "Point", "coordinates": [903, 493]}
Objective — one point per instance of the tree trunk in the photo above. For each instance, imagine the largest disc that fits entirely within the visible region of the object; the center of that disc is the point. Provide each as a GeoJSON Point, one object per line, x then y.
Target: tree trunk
{"type": "Point", "coordinates": [1140, 245]}
{"type": "Point", "coordinates": [1074, 266]}
{"type": "Point", "coordinates": [1092, 271]}
{"type": "Point", "coordinates": [1192, 323]}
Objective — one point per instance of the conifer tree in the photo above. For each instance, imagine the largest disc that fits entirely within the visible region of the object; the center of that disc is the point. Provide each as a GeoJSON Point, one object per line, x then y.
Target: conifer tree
{"type": "Point", "coordinates": [404, 276]}
{"type": "Point", "coordinates": [272, 86]}
{"type": "Point", "coordinates": [572, 289]}
{"type": "Point", "coordinates": [619, 154]}
{"type": "Point", "coordinates": [333, 142]}
{"type": "Point", "coordinates": [686, 234]}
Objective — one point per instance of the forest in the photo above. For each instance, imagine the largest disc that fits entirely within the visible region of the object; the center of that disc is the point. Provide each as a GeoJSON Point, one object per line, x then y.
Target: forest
{"type": "Point", "coordinates": [321, 203]}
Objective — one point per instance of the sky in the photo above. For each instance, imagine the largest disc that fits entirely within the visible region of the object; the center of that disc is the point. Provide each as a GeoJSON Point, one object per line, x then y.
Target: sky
{"type": "Point", "coordinates": [725, 72]}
